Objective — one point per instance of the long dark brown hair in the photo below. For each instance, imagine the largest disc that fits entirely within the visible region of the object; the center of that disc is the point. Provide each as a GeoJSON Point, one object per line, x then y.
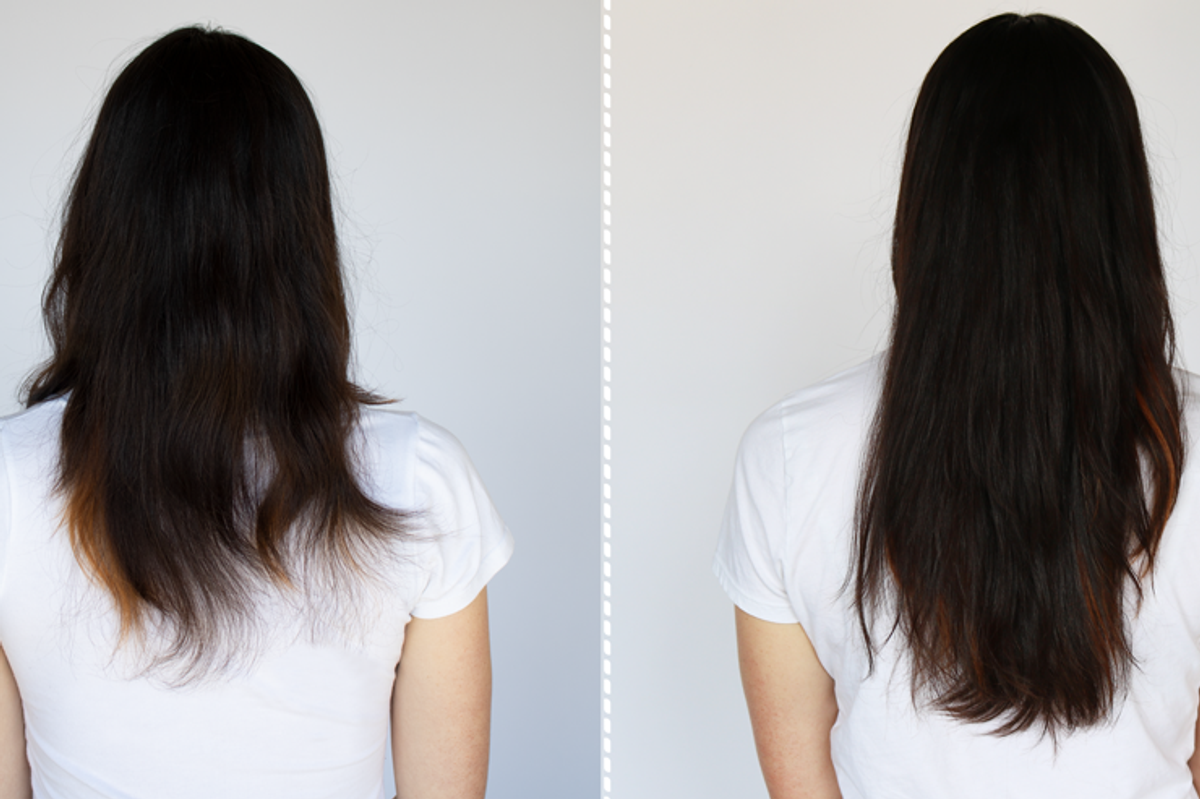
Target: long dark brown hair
{"type": "Point", "coordinates": [198, 320]}
{"type": "Point", "coordinates": [1027, 448]}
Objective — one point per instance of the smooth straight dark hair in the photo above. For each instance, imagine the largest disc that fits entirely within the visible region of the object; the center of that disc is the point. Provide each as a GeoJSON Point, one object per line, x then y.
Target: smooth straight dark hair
{"type": "Point", "coordinates": [198, 320]}
{"type": "Point", "coordinates": [1027, 449]}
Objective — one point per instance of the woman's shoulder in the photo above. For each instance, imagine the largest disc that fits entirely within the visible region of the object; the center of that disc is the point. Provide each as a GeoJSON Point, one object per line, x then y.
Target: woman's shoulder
{"type": "Point", "coordinates": [825, 412]}
{"type": "Point", "coordinates": [424, 461]}
{"type": "Point", "coordinates": [33, 432]}
{"type": "Point", "coordinates": [35, 418]}
{"type": "Point", "coordinates": [458, 525]}
{"type": "Point", "coordinates": [844, 392]}
{"type": "Point", "coordinates": [410, 436]}
{"type": "Point", "coordinates": [1188, 384]}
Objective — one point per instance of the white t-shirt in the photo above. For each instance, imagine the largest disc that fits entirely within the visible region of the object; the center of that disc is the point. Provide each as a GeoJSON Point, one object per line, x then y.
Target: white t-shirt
{"type": "Point", "coordinates": [306, 715]}
{"type": "Point", "coordinates": [784, 556]}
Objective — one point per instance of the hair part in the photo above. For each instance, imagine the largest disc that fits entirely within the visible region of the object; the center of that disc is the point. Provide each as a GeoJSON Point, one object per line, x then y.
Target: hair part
{"type": "Point", "coordinates": [1028, 444]}
{"type": "Point", "coordinates": [198, 322]}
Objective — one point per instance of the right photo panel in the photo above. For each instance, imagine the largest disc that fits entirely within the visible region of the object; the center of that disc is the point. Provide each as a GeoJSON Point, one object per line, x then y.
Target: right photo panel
{"type": "Point", "coordinates": [757, 151]}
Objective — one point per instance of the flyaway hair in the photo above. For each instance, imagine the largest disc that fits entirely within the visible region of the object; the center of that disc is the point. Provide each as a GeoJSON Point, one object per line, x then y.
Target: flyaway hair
{"type": "Point", "coordinates": [1028, 445]}
{"type": "Point", "coordinates": [198, 321]}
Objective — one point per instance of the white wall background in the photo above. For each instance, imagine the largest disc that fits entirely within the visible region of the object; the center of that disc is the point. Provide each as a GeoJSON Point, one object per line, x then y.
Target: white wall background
{"type": "Point", "coordinates": [464, 137]}
{"type": "Point", "coordinates": [757, 150]}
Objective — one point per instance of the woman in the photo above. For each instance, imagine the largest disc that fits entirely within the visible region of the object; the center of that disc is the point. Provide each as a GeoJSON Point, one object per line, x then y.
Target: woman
{"type": "Point", "coordinates": [223, 569]}
{"type": "Point", "coordinates": [967, 567]}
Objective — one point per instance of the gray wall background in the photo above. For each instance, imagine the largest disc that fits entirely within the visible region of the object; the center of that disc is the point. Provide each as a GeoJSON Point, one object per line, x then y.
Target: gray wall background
{"type": "Point", "coordinates": [464, 138]}
{"type": "Point", "coordinates": [757, 149]}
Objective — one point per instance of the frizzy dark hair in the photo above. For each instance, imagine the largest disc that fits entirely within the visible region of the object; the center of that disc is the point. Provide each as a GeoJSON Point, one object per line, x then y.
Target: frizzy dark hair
{"type": "Point", "coordinates": [198, 320]}
{"type": "Point", "coordinates": [1028, 445]}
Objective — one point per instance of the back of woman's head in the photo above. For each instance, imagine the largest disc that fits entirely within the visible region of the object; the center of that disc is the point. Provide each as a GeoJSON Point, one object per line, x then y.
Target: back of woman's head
{"type": "Point", "coordinates": [1028, 444]}
{"type": "Point", "coordinates": [200, 333]}
{"type": "Point", "coordinates": [199, 232]}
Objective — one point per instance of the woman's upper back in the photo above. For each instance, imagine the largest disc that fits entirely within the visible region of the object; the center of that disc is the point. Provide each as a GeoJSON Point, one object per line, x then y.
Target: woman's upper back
{"type": "Point", "coordinates": [786, 554]}
{"type": "Point", "coordinates": [302, 706]}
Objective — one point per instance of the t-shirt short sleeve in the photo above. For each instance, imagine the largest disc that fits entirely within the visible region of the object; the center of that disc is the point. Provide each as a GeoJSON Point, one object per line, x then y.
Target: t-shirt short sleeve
{"type": "Point", "coordinates": [468, 541]}
{"type": "Point", "coordinates": [750, 550]}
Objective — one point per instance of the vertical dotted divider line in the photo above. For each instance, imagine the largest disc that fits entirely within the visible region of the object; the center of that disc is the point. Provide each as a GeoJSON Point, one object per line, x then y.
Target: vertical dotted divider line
{"type": "Point", "coordinates": [606, 443]}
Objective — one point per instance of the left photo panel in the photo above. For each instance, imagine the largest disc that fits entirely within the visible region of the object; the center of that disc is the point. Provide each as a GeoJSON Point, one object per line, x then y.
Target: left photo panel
{"type": "Point", "coordinates": [300, 323]}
